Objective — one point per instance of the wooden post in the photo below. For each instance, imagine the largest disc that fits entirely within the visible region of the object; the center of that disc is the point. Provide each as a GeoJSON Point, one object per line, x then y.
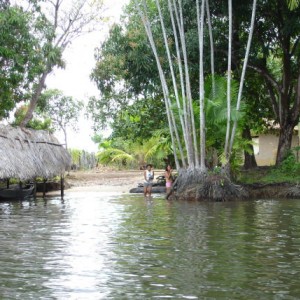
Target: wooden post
{"type": "Point", "coordinates": [44, 187]}
{"type": "Point", "coordinates": [35, 187]}
{"type": "Point", "coordinates": [20, 194]}
{"type": "Point", "coordinates": [298, 156]}
{"type": "Point", "coordinates": [62, 185]}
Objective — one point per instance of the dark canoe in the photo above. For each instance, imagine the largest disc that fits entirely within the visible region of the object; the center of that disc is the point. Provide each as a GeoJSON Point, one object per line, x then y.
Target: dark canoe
{"type": "Point", "coordinates": [17, 192]}
{"type": "Point", "coordinates": [155, 189]}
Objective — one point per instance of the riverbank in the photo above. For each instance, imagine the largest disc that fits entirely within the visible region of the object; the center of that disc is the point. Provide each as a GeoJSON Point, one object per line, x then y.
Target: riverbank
{"type": "Point", "coordinates": [105, 180]}
{"type": "Point", "coordinates": [109, 180]}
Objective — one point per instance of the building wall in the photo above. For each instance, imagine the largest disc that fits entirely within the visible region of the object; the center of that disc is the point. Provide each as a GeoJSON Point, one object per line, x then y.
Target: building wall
{"type": "Point", "coordinates": [265, 148]}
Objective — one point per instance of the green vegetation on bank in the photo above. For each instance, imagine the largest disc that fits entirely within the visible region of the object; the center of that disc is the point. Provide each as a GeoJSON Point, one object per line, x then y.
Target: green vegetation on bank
{"type": "Point", "coordinates": [196, 109]}
{"type": "Point", "coordinates": [287, 172]}
{"type": "Point", "coordinates": [131, 95]}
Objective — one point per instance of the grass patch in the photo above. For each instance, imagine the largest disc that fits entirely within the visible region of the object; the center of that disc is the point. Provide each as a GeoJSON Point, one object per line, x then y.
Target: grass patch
{"type": "Point", "coordinates": [288, 172]}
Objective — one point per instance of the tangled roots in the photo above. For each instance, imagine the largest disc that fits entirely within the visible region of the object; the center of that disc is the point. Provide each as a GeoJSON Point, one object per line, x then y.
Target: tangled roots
{"type": "Point", "coordinates": [204, 187]}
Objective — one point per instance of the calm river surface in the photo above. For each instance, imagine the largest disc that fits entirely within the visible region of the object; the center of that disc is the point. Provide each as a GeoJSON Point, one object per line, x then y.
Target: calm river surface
{"type": "Point", "coordinates": [104, 246]}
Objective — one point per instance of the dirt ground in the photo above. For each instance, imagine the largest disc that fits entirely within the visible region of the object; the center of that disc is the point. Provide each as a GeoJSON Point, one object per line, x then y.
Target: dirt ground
{"type": "Point", "coordinates": [106, 180]}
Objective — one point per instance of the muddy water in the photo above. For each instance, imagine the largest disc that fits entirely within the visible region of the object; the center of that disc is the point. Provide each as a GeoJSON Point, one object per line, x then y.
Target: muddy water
{"type": "Point", "coordinates": [105, 246]}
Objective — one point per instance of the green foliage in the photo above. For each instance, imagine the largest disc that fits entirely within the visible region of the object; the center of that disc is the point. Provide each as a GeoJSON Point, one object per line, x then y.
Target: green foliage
{"type": "Point", "coordinates": [293, 4]}
{"type": "Point", "coordinates": [114, 156]}
{"type": "Point", "coordinates": [124, 77]}
{"type": "Point", "coordinates": [37, 123]}
{"type": "Point", "coordinates": [26, 52]}
{"type": "Point", "coordinates": [289, 165]}
{"type": "Point", "coordinates": [97, 138]}
{"type": "Point", "coordinates": [124, 153]}
{"type": "Point", "coordinates": [131, 92]}
{"type": "Point", "coordinates": [116, 152]}
{"type": "Point", "coordinates": [288, 171]}
{"type": "Point", "coordinates": [62, 110]}
{"type": "Point", "coordinates": [216, 119]}
{"type": "Point", "coordinates": [75, 156]}
{"type": "Point", "coordinates": [20, 57]}
{"type": "Point", "coordinates": [82, 159]}
{"type": "Point", "coordinates": [138, 121]}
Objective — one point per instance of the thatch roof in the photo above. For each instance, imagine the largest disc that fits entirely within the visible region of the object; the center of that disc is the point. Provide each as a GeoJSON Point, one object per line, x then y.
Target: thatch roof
{"type": "Point", "coordinates": [26, 154]}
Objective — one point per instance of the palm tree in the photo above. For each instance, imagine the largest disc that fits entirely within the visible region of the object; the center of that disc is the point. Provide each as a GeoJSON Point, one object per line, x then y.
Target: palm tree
{"type": "Point", "coordinates": [293, 4]}
{"type": "Point", "coordinates": [193, 171]}
{"type": "Point", "coordinates": [243, 73]}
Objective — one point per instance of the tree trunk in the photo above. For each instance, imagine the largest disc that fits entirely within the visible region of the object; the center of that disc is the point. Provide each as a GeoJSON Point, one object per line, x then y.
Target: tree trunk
{"type": "Point", "coordinates": [34, 100]}
{"type": "Point", "coordinates": [226, 148]}
{"type": "Point", "coordinates": [65, 137]}
{"type": "Point", "coordinates": [239, 99]}
{"type": "Point", "coordinates": [285, 141]}
{"type": "Point", "coordinates": [250, 161]}
{"type": "Point", "coordinates": [200, 17]}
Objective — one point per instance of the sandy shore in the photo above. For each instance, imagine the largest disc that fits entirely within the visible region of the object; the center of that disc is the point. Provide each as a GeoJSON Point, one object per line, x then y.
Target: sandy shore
{"type": "Point", "coordinates": [105, 180]}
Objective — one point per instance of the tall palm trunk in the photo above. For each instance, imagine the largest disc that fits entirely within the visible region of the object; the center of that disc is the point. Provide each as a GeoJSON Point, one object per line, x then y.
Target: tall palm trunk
{"type": "Point", "coordinates": [200, 21]}
{"type": "Point", "coordinates": [190, 112]}
{"type": "Point", "coordinates": [212, 50]}
{"type": "Point", "coordinates": [243, 73]}
{"type": "Point", "coordinates": [180, 68]}
{"type": "Point", "coordinates": [174, 81]}
{"type": "Point", "coordinates": [226, 149]}
{"type": "Point", "coordinates": [181, 78]}
{"type": "Point", "coordinates": [171, 120]}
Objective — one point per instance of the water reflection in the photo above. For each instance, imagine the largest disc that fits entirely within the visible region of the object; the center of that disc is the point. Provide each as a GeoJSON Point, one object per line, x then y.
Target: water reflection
{"type": "Point", "coordinates": [102, 246]}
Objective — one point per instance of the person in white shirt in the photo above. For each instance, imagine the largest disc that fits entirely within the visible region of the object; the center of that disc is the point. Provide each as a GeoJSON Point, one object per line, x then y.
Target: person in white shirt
{"type": "Point", "coordinates": [148, 180]}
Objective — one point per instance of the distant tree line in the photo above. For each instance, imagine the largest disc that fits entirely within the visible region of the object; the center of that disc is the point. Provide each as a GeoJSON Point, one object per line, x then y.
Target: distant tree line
{"type": "Point", "coordinates": [82, 160]}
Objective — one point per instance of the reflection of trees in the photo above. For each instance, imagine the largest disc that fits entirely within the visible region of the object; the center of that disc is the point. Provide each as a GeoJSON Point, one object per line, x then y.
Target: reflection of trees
{"type": "Point", "coordinates": [244, 249]}
{"type": "Point", "coordinates": [275, 244]}
{"type": "Point", "coordinates": [158, 249]}
{"type": "Point", "coordinates": [30, 253]}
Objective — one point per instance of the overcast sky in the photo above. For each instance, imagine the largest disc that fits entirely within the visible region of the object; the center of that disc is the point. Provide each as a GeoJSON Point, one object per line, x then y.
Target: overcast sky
{"type": "Point", "coordinates": [74, 79]}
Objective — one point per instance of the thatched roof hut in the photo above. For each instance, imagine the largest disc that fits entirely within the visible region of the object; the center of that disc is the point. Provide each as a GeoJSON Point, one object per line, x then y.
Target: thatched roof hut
{"type": "Point", "coordinates": [26, 154]}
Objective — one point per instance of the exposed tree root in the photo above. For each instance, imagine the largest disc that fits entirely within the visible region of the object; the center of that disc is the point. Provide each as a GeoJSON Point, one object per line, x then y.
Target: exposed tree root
{"type": "Point", "coordinates": [291, 192]}
{"type": "Point", "coordinates": [199, 186]}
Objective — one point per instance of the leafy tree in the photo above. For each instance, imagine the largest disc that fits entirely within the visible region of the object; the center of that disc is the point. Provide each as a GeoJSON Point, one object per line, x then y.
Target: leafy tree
{"type": "Point", "coordinates": [280, 42]}
{"type": "Point", "coordinates": [125, 153]}
{"type": "Point", "coordinates": [63, 110]}
{"type": "Point", "coordinates": [274, 57]}
{"type": "Point", "coordinates": [20, 54]}
{"type": "Point", "coordinates": [138, 121]}
{"type": "Point", "coordinates": [293, 4]}
{"type": "Point", "coordinates": [121, 65]}
{"type": "Point", "coordinates": [183, 79]}
{"type": "Point", "coordinates": [124, 76]}
{"type": "Point", "coordinates": [65, 23]}
{"type": "Point", "coordinates": [37, 122]}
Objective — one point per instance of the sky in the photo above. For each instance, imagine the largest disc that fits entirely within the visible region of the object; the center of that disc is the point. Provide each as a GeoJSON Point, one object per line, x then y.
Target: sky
{"type": "Point", "coordinates": [74, 79]}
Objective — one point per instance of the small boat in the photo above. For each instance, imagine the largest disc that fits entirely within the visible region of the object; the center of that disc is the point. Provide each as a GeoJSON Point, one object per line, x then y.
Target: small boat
{"type": "Point", "coordinates": [155, 189]}
{"type": "Point", "coordinates": [158, 187]}
{"type": "Point", "coordinates": [17, 192]}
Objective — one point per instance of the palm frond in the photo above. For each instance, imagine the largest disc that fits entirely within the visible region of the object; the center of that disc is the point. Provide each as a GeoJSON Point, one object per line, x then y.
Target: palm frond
{"type": "Point", "coordinates": [111, 155]}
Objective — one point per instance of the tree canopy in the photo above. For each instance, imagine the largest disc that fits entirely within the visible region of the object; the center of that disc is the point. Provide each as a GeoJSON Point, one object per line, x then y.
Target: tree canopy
{"type": "Point", "coordinates": [126, 70]}
{"type": "Point", "coordinates": [21, 54]}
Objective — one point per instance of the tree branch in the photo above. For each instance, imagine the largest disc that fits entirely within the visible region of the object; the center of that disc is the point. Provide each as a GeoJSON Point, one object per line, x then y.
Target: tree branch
{"type": "Point", "coordinates": [275, 105]}
{"type": "Point", "coordinates": [295, 46]}
{"type": "Point", "coordinates": [296, 106]}
{"type": "Point", "coordinates": [267, 76]}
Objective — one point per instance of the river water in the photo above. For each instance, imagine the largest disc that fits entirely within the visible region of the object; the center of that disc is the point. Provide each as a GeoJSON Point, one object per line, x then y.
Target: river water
{"type": "Point", "coordinates": [106, 246]}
